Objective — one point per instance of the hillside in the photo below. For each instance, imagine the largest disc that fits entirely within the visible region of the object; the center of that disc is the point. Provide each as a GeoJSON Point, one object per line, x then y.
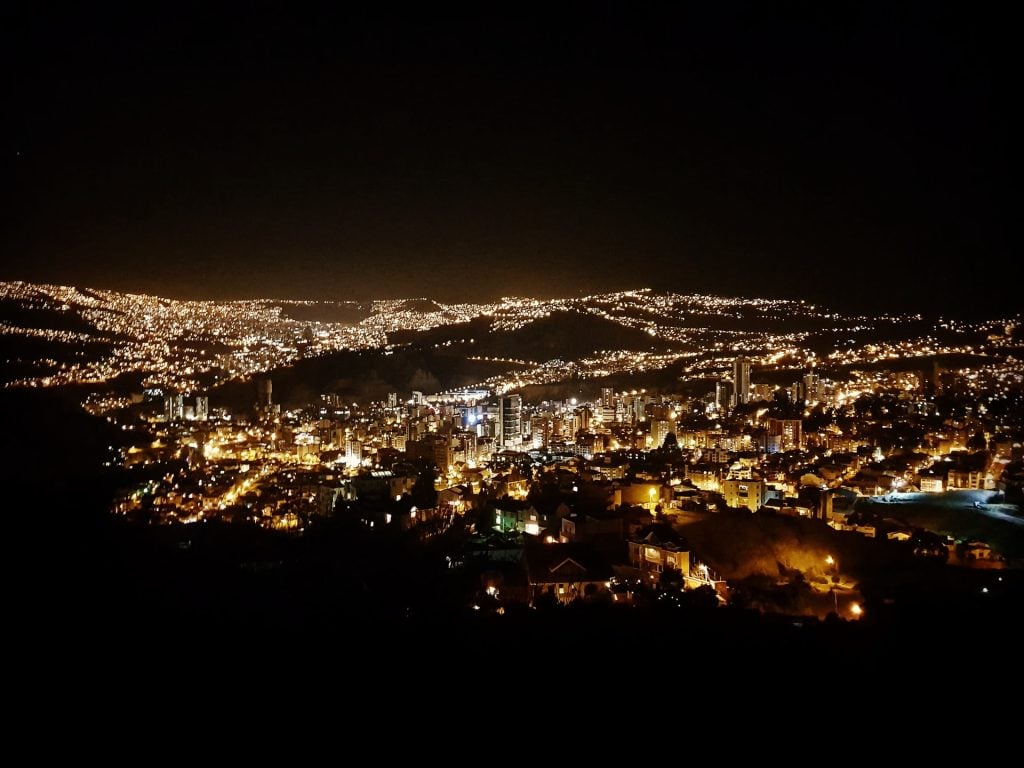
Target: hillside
{"type": "Point", "coordinates": [567, 335]}
{"type": "Point", "coordinates": [365, 375]}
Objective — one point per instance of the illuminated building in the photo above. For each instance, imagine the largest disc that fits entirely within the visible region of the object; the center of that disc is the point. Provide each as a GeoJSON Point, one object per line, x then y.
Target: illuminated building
{"type": "Point", "coordinates": [353, 452]}
{"type": "Point", "coordinates": [722, 396]}
{"type": "Point", "coordinates": [660, 428]}
{"type": "Point", "coordinates": [580, 420]}
{"type": "Point", "coordinates": [565, 572]}
{"type": "Point", "coordinates": [174, 407]}
{"type": "Point", "coordinates": [517, 517]}
{"type": "Point", "coordinates": [639, 405]}
{"type": "Point", "coordinates": [747, 493]}
{"type": "Point", "coordinates": [741, 380]}
{"type": "Point", "coordinates": [704, 477]}
{"type": "Point", "coordinates": [658, 548]}
{"type": "Point", "coordinates": [965, 478]}
{"type": "Point", "coordinates": [540, 431]}
{"type": "Point", "coordinates": [510, 421]}
{"type": "Point", "coordinates": [608, 397]}
{"type": "Point", "coordinates": [784, 435]}
{"type": "Point", "coordinates": [202, 408]}
{"type": "Point", "coordinates": [811, 392]}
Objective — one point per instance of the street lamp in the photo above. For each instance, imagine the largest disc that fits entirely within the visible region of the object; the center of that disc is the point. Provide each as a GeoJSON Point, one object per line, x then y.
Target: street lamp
{"type": "Point", "coordinates": [652, 493]}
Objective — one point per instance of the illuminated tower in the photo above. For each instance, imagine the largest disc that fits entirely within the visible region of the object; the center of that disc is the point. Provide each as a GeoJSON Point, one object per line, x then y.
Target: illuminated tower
{"type": "Point", "coordinates": [811, 393]}
{"type": "Point", "coordinates": [741, 381]}
{"type": "Point", "coordinates": [607, 397]}
{"type": "Point", "coordinates": [510, 421]}
{"type": "Point", "coordinates": [784, 435]}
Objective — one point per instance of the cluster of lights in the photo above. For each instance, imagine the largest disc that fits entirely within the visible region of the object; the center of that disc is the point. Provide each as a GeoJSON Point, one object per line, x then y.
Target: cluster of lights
{"type": "Point", "coordinates": [181, 345]}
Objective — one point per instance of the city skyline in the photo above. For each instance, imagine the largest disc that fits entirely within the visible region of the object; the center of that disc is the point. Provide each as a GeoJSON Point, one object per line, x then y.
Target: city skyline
{"type": "Point", "coordinates": [223, 467]}
{"type": "Point", "coordinates": [549, 337]}
{"type": "Point", "coordinates": [848, 156]}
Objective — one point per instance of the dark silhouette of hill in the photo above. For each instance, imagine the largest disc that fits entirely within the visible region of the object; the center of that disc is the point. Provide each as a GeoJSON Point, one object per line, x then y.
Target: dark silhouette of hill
{"type": "Point", "coordinates": [420, 305]}
{"type": "Point", "coordinates": [29, 355]}
{"type": "Point", "coordinates": [362, 375]}
{"type": "Point", "coordinates": [437, 359]}
{"type": "Point", "coordinates": [40, 314]}
{"type": "Point", "coordinates": [665, 379]}
{"type": "Point", "coordinates": [48, 439]}
{"type": "Point", "coordinates": [350, 312]}
{"type": "Point", "coordinates": [565, 335]}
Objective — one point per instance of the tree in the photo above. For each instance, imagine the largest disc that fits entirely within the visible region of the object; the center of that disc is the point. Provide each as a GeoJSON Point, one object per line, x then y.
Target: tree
{"type": "Point", "coordinates": [424, 381]}
{"type": "Point", "coordinates": [671, 580]}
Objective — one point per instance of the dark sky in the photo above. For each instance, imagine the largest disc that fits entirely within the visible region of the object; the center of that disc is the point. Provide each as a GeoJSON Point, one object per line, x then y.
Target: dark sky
{"type": "Point", "coordinates": [847, 153]}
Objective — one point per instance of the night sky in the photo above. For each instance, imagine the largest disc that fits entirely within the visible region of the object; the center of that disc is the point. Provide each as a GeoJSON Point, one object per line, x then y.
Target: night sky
{"type": "Point", "coordinates": [848, 153]}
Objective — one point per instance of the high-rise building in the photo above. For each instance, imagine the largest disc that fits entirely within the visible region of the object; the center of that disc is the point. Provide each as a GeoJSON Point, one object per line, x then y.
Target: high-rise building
{"type": "Point", "coordinates": [660, 429]}
{"type": "Point", "coordinates": [174, 407]}
{"type": "Point", "coordinates": [510, 421]}
{"type": "Point", "coordinates": [607, 397]}
{"type": "Point", "coordinates": [784, 435]}
{"type": "Point", "coordinates": [353, 452]}
{"type": "Point", "coordinates": [202, 408]}
{"type": "Point", "coordinates": [639, 405]}
{"type": "Point", "coordinates": [581, 420]}
{"type": "Point", "coordinates": [723, 394]}
{"type": "Point", "coordinates": [741, 381]}
{"type": "Point", "coordinates": [540, 431]}
{"type": "Point", "coordinates": [811, 393]}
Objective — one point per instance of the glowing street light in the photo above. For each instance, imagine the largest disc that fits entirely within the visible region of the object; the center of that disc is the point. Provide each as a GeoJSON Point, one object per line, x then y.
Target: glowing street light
{"type": "Point", "coordinates": [855, 609]}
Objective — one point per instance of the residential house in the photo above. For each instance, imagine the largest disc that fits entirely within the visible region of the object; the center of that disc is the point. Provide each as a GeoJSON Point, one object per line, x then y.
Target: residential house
{"type": "Point", "coordinates": [657, 548]}
{"type": "Point", "coordinates": [566, 572]}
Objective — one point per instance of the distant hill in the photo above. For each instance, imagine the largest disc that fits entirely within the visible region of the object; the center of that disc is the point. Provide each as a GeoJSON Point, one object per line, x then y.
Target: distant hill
{"type": "Point", "coordinates": [567, 335]}
{"type": "Point", "coordinates": [43, 314]}
{"type": "Point", "coordinates": [363, 375]}
{"type": "Point", "coordinates": [349, 312]}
